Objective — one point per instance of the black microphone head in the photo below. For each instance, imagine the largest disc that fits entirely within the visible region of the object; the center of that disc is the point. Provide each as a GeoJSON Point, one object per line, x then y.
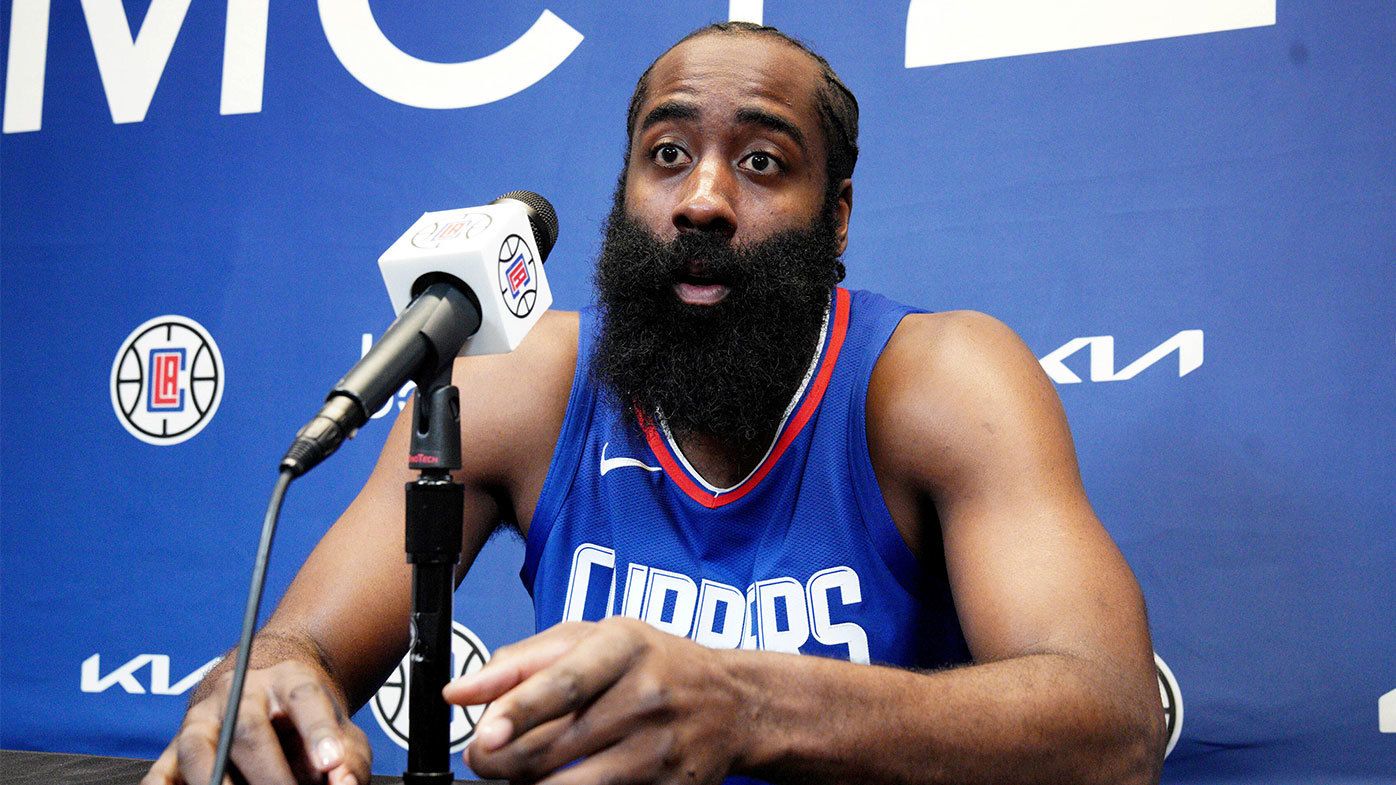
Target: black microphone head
{"type": "Point", "coordinates": [541, 216]}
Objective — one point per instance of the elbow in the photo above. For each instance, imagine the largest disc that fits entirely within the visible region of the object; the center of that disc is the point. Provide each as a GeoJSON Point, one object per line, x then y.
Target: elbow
{"type": "Point", "coordinates": [1124, 740]}
{"type": "Point", "coordinates": [1140, 745]}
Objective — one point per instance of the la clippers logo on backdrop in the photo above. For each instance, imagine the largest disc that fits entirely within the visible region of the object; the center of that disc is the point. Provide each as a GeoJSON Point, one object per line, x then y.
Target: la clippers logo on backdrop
{"type": "Point", "coordinates": [1172, 702]}
{"type": "Point", "coordinates": [518, 286]}
{"type": "Point", "coordinates": [390, 703]}
{"type": "Point", "coordinates": [166, 394]}
{"type": "Point", "coordinates": [167, 380]}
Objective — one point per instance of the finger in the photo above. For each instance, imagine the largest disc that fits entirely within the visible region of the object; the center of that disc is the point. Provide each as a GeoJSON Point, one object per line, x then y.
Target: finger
{"type": "Point", "coordinates": [526, 758]}
{"type": "Point", "coordinates": [316, 716]}
{"type": "Point", "coordinates": [343, 775]}
{"type": "Point", "coordinates": [615, 713]}
{"type": "Point", "coordinates": [256, 749]}
{"type": "Point", "coordinates": [636, 759]}
{"type": "Point", "coordinates": [514, 663]}
{"type": "Point", "coordinates": [165, 770]}
{"type": "Point", "coordinates": [567, 685]}
{"type": "Point", "coordinates": [197, 744]}
{"type": "Point", "coordinates": [358, 759]}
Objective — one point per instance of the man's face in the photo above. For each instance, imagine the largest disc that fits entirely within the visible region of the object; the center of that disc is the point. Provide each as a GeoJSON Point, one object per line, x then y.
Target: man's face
{"type": "Point", "coordinates": [722, 249]}
{"type": "Point", "coordinates": [728, 142]}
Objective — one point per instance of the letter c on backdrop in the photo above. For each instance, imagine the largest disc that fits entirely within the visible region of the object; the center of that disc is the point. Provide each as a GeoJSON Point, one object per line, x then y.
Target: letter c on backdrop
{"type": "Point", "coordinates": [380, 66]}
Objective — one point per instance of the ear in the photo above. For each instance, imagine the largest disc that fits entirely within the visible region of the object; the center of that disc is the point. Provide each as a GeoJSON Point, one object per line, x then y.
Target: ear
{"type": "Point", "coordinates": [842, 212]}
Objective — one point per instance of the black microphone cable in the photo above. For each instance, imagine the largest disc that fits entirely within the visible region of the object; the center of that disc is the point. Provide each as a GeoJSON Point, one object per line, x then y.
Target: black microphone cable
{"type": "Point", "coordinates": [249, 624]}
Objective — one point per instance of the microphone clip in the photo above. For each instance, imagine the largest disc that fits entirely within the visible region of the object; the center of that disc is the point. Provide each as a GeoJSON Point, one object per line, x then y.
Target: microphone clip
{"type": "Point", "coordinates": [436, 425]}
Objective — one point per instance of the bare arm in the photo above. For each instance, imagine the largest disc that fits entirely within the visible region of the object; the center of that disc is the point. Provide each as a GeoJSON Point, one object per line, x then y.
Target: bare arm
{"type": "Point", "coordinates": [305, 670]}
{"type": "Point", "coordinates": [343, 623]}
{"type": "Point", "coordinates": [1063, 689]}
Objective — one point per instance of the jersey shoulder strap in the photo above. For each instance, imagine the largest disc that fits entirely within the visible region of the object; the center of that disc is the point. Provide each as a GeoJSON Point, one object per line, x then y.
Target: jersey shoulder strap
{"type": "Point", "coordinates": [571, 442]}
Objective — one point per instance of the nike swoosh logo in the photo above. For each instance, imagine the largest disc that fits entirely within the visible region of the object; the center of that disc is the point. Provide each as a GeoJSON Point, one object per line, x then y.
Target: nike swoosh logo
{"type": "Point", "coordinates": [608, 464]}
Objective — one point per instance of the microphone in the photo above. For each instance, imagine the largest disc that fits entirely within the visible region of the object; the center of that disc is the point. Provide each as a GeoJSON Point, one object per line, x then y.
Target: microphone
{"type": "Point", "coordinates": [463, 282]}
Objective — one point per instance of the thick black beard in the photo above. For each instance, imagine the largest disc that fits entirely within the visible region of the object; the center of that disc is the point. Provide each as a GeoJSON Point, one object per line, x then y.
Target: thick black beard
{"type": "Point", "coordinates": [728, 370]}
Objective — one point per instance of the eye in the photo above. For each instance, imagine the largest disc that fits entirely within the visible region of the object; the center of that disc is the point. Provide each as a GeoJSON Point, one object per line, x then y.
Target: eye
{"type": "Point", "coordinates": [761, 163]}
{"type": "Point", "coordinates": [669, 154]}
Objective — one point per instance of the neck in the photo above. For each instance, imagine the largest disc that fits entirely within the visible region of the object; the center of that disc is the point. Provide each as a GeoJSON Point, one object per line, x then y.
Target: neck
{"type": "Point", "coordinates": [721, 462]}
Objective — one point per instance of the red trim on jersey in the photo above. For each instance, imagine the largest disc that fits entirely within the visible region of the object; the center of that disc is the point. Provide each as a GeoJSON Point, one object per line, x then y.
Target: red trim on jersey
{"type": "Point", "coordinates": [658, 444]}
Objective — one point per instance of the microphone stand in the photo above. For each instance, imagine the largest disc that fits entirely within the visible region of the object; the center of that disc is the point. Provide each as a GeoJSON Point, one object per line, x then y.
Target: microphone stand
{"type": "Point", "coordinates": [435, 509]}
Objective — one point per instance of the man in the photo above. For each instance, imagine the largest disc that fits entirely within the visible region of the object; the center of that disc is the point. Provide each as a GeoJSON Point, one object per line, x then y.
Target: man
{"type": "Point", "coordinates": [763, 465]}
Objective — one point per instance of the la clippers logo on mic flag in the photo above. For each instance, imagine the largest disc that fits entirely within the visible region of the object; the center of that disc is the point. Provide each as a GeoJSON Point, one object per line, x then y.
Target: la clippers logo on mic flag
{"type": "Point", "coordinates": [518, 277]}
{"type": "Point", "coordinates": [518, 286]}
{"type": "Point", "coordinates": [451, 230]}
{"type": "Point", "coordinates": [166, 394]}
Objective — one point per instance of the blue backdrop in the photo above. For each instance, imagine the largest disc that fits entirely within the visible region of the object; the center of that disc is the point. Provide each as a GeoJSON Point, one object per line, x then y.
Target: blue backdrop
{"type": "Point", "coordinates": [1187, 209]}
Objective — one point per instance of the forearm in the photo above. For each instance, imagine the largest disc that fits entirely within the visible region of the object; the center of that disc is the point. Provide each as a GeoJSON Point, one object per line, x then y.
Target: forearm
{"type": "Point", "coordinates": [1040, 718]}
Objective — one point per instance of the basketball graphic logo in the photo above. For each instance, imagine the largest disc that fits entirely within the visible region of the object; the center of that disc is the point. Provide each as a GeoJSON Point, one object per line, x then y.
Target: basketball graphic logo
{"type": "Point", "coordinates": [518, 283]}
{"type": "Point", "coordinates": [1172, 702]}
{"type": "Point", "coordinates": [390, 703]}
{"type": "Point", "coordinates": [167, 380]}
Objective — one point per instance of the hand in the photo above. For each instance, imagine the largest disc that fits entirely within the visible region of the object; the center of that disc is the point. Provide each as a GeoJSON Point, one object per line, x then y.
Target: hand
{"type": "Point", "coordinates": [639, 704]}
{"type": "Point", "coordinates": [291, 728]}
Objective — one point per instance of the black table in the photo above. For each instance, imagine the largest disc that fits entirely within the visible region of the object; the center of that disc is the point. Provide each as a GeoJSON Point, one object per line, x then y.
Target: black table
{"type": "Point", "coordinates": [58, 768]}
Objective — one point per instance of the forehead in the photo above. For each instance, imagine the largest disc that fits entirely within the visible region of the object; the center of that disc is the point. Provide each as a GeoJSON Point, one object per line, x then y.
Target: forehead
{"type": "Point", "coordinates": [723, 73]}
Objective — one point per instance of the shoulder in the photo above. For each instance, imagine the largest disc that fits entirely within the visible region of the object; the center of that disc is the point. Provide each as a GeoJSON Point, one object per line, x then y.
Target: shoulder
{"type": "Point", "coordinates": [951, 388]}
{"type": "Point", "coordinates": [551, 348]}
{"type": "Point", "coordinates": [961, 352]}
{"type": "Point", "coordinates": [544, 360]}
{"type": "Point", "coordinates": [512, 405]}
{"type": "Point", "coordinates": [952, 342]}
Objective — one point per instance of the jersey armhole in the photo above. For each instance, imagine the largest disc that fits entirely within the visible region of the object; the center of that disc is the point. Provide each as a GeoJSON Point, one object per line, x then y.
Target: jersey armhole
{"type": "Point", "coordinates": [566, 455]}
{"type": "Point", "coordinates": [886, 538]}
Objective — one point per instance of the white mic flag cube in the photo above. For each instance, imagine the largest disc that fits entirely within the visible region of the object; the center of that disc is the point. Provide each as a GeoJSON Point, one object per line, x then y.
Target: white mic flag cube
{"type": "Point", "coordinates": [491, 250]}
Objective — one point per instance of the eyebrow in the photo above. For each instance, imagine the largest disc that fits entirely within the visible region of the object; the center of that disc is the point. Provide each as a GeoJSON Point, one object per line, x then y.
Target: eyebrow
{"type": "Point", "coordinates": [669, 110]}
{"type": "Point", "coordinates": [679, 110]}
{"type": "Point", "coordinates": [771, 122]}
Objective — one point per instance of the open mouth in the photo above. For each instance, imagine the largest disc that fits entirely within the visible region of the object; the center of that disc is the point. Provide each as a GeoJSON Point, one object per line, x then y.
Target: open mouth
{"type": "Point", "coordinates": [695, 287]}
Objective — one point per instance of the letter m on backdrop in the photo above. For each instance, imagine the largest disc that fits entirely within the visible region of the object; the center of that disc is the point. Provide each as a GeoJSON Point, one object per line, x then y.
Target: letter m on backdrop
{"type": "Point", "coordinates": [131, 59]}
{"type": "Point", "coordinates": [1187, 343]}
{"type": "Point", "coordinates": [130, 65]}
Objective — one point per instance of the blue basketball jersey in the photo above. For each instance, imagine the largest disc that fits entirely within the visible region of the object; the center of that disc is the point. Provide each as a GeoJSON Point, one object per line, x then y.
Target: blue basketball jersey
{"type": "Point", "coordinates": [802, 556]}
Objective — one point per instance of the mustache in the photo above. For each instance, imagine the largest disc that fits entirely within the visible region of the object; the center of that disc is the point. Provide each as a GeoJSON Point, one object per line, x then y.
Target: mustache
{"type": "Point", "coordinates": [645, 266]}
{"type": "Point", "coordinates": [691, 256]}
{"type": "Point", "coordinates": [707, 256]}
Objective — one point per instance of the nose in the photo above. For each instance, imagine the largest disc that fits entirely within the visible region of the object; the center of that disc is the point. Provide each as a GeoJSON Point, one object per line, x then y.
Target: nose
{"type": "Point", "coordinates": [705, 202]}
